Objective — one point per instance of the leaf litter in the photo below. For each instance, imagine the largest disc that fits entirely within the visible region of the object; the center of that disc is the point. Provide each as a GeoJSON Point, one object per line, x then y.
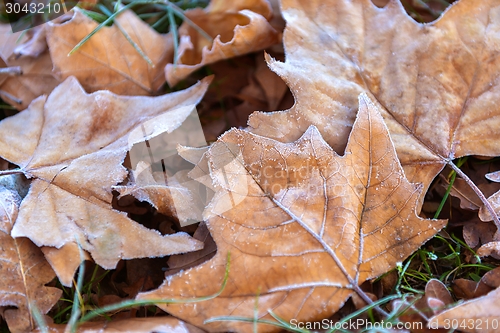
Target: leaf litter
{"type": "Point", "coordinates": [270, 218]}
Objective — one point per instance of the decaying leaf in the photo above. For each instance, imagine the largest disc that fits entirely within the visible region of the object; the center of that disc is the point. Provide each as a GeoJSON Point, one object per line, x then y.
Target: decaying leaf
{"type": "Point", "coordinates": [237, 27]}
{"type": "Point", "coordinates": [478, 315]}
{"type": "Point", "coordinates": [173, 196]}
{"type": "Point", "coordinates": [304, 226]}
{"type": "Point", "coordinates": [131, 325]}
{"type": "Point", "coordinates": [178, 262]}
{"type": "Point", "coordinates": [418, 311]}
{"type": "Point", "coordinates": [72, 145]}
{"type": "Point", "coordinates": [108, 60]}
{"type": "Point", "coordinates": [23, 271]}
{"type": "Point", "coordinates": [493, 199]}
{"type": "Point", "coordinates": [35, 64]}
{"type": "Point", "coordinates": [437, 84]}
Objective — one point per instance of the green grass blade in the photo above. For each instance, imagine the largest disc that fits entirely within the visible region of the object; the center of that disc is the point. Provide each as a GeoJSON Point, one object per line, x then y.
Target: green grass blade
{"type": "Point", "coordinates": [173, 30]}
{"type": "Point", "coordinates": [136, 303]}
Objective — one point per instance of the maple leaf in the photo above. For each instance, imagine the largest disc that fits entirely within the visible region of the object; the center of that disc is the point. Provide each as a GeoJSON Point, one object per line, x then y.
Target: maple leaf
{"type": "Point", "coordinates": [437, 84]}
{"type": "Point", "coordinates": [131, 325]}
{"type": "Point", "coordinates": [72, 145]}
{"type": "Point", "coordinates": [478, 315]}
{"type": "Point", "coordinates": [238, 27]}
{"type": "Point", "coordinates": [108, 60]}
{"type": "Point", "coordinates": [309, 228]}
{"type": "Point", "coordinates": [24, 271]}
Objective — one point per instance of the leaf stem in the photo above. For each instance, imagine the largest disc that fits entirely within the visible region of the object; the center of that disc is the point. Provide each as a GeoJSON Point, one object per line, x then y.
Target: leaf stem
{"type": "Point", "coordinates": [11, 71]}
{"type": "Point", "coordinates": [479, 193]}
{"type": "Point", "coordinates": [11, 97]}
{"type": "Point", "coordinates": [11, 172]}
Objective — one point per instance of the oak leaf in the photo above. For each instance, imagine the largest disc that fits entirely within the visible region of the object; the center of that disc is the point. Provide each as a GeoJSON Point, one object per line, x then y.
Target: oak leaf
{"type": "Point", "coordinates": [23, 270]}
{"type": "Point", "coordinates": [72, 145]}
{"type": "Point", "coordinates": [478, 315]}
{"type": "Point", "coordinates": [237, 28]}
{"type": "Point", "coordinates": [108, 60]}
{"type": "Point", "coordinates": [311, 227]}
{"type": "Point", "coordinates": [437, 84]}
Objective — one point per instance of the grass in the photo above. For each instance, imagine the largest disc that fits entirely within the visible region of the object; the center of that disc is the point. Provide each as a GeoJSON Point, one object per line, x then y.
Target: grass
{"type": "Point", "coordinates": [443, 257]}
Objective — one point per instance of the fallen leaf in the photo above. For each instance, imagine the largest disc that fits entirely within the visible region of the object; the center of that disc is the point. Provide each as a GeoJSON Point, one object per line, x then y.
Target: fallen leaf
{"type": "Point", "coordinates": [310, 229]}
{"type": "Point", "coordinates": [65, 261]}
{"type": "Point", "coordinates": [237, 27]}
{"type": "Point", "coordinates": [418, 311]}
{"type": "Point", "coordinates": [478, 315]}
{"type": "Point", "coordinates": [461, 190]}
{"type": "Point", "coordinates": [36, 76]}
{"type": "Point", "coordinates": [179, 262]}
{"type": "Point", "coordinates": [469, 289]}
{"type": "Point", "coordinates": [131, 325]}
{"type": "Point", "coordinates": [493, 176]}
{"type": "Point", "coordinates": [477, 233]}
{"type": "Point", "coordinates": [173, 196]}
{"type": "Point", "coordinates": [436, 83]}
{"type": "Point", "coordinates": [261, 7]}
{"type": "Point", "coordinates": [74, 162]}
{"type": "Point", "coordinates": [24, 272]}
{"type": "Point", "coordinates": [493, 199]}
{"type": "Point", "coordinates": [108, 60]}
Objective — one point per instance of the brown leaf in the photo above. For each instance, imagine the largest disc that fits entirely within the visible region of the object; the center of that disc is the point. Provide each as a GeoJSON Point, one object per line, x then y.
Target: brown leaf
{"type": "Point", "coordinates": [494, 199]}
{"type": "Point", "coordinates": [107, 60]}
{"type": "Point", "coordinates": [304, 226]}
{"type": "Point", "coordinates": [65, 261]}
{"type": "Point", "coordinates": [418, 311]}
{"type": "Point", "coordinates": [436, 83]}
{"type": "Point", "coordinates": [75, 160]}
{"type": "Point", "coordinates": [177, 198]}
{"type": "Point", "coordinates": [179, 262]}
{"type": "Point", "coordinates": [23, 270]}
{"type": "Point", "coordinates": [131, 325]}
{"type": "Point", "coordinates": [461, 190]}
{"type": "Point", "coordinates": [237, 27]}
{"type": "Point", "coordinates": [477, 315]}
{"type": "Point", "coordinates": [477, 233]}
{"type": "Point", "coordinates": [36, 67]}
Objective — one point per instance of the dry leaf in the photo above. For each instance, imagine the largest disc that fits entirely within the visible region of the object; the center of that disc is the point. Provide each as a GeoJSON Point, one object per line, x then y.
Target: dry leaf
{"type": "Point", "coordinates": [179, 262]}
{"type": "Point", "coordinates": [477, 233]}
{"type": "Point", "coordinates": [435, 299]}
{"type": "Point", "coordinates": [74, 162]}
{"type": "Point", "coordinates": [311, 228]}
{"type": "Point", "coordinates": [478, 315]}
{"type": "Point", "coordinates": [461, 190]}
{"type": "Point", "coordinates": [436, 83]}
{"type": "Point", "coordinates": [494, 199]}
{"type": "Point", "coordinates": [108, 60]}
{"type": "Point", "coordinates": [23, 270]}
{"type": "Point", "coordinates": [237, 27]}
{"type": "Point", "coordinates": [65, 261]}
{"type": "Point", "coordinates": [131, 325]}
{"type": "Point", "coordinates": [172, 196]}
{"type": "Point", "coordinates": [36, 67]}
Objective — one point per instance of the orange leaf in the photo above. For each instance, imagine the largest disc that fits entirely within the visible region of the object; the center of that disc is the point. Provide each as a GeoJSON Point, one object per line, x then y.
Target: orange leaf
{"type": "Point", "coordinates": [305, 227]}
{"type": "Point", "coordinates": [436, 83]}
